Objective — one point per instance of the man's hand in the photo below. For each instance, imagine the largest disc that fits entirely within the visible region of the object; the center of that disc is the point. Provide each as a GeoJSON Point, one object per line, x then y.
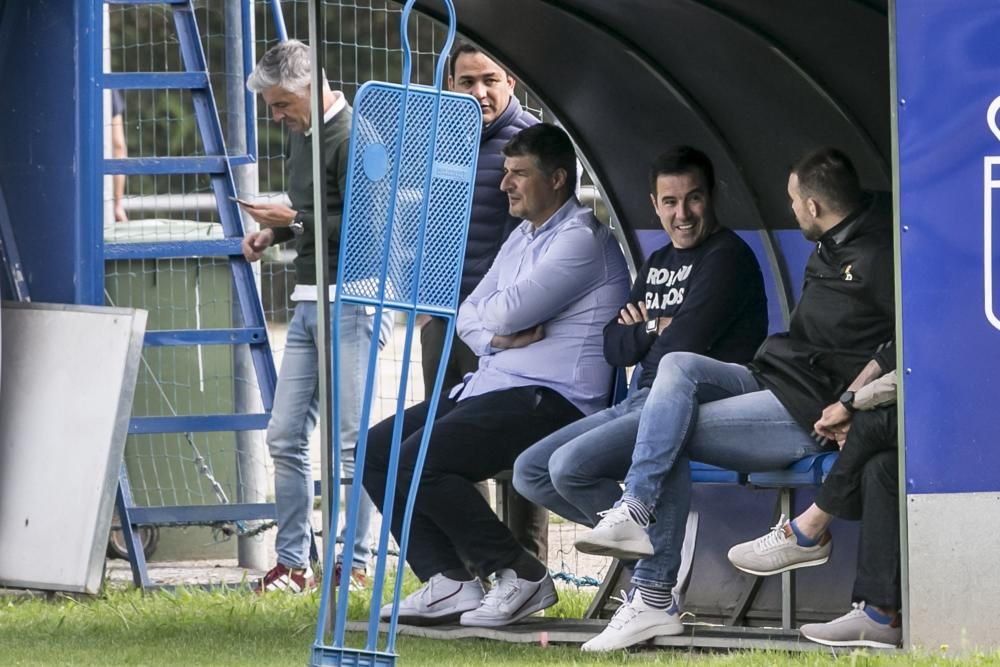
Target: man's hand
{"type": "Point", "coordinates": [120, 214]}
{"type": "Point", "coordinates": [255, 243]}
{"type": "Point", "coordinates": [520, 339]}
{"type": "Point", "coordinates": [423, 320]}
{"type": "Point", "coordinates": [633, 314]}
{"type": "Point", "coordinates": [834, 423]}
{"type": "Point", "coordinates": [637, 314]}
{"type": "Point", "coordinates": [270, 215]}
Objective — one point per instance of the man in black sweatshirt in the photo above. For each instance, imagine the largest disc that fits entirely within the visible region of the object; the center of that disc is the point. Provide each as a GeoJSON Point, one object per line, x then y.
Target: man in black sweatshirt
{"type": "Point", "coordinates": [757, 417]}
{"type": "Point", "coordinates": [703, 292]}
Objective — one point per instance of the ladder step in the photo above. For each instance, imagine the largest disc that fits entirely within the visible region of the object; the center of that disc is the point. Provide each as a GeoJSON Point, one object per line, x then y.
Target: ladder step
{"type": "Point", "coordinates": [207, 164]}
{"type": "Point", "coordinates": [198, 423]}
{"type": "Point", "coordinates": [199, 514]}
{"type": "Point", "coordinates": [167, 249]}
{"type": "Point", "coordinates": [187, 337]}
{"type": "Point", "coordinates": [156, 80]}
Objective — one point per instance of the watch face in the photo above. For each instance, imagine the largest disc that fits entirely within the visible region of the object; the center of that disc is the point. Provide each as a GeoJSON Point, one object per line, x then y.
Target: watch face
{"type": "Point", "coordinates": [650, 326]}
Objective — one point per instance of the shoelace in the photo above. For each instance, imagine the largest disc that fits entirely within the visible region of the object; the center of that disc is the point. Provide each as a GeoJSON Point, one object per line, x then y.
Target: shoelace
{"type": "Point", "coordinates": [613, 516]}
{"type": "Point", "coordinates": [774, 538]}
{"type": "Point", "coordinates": [624, 613]}
{"type": "Point", "coordinates": [858, 610]}
{"type": "Point", "coordinates": [501, 591]}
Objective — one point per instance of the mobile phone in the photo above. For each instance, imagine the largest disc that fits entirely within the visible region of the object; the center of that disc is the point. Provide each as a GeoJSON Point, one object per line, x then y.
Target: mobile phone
{"type": "Point", "coordinates": [242, 201]}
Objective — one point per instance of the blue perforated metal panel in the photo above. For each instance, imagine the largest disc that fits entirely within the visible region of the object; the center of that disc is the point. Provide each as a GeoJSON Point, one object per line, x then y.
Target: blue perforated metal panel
{"type": "Point", "coordinates": [435, 172]}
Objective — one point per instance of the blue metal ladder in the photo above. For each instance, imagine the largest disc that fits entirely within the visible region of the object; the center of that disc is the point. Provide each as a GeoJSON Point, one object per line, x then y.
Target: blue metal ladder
{"type": "Point", "coordinates": [218, 165]}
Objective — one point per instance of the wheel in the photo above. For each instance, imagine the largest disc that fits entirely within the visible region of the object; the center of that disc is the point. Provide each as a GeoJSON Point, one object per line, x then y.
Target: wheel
{"type": "Point", "coordinates": [148, 535]}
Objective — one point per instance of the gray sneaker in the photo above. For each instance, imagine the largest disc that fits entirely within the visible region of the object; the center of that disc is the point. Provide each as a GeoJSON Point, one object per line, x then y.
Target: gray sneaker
{"type": "Point", "coordinates": [855, 628]}
{"type": "Point", "coordinates": [778, 551]}
{"type": "Point", "coordinates": [616, 534]}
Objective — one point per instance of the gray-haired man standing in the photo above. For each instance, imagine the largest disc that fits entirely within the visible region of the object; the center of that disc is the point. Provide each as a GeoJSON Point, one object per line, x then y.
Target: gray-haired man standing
{"type": "Point", "coordinates": [283, 78]}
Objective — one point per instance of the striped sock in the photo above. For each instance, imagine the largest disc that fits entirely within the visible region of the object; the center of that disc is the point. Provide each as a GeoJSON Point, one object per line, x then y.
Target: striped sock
{"type": "Point", "coordinates": [657, 598]}
{"type": "Point", "coordinates": [637, 510]}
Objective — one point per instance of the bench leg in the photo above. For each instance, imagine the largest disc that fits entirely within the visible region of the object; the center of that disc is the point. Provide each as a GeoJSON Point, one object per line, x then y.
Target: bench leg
{"type": "Point", "coordinates": [745, 601]}
{"type": "Point", "coordinates": [613, 581]}
{"type": "Point", "coordinates": [787, 578]}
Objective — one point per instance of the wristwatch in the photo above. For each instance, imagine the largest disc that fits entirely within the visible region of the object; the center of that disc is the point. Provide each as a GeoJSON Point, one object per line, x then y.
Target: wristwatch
{"type": "Point", "coordinates": [847, 400]}
{"type": "Point", "coordinates": [296, 225]}
{"type": "Point", "coordinates": [651, 326]}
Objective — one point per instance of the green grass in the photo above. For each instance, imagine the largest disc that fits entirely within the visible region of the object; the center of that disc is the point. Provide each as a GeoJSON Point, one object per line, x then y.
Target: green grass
{"type": "Point", "coordinates": [238, 628]}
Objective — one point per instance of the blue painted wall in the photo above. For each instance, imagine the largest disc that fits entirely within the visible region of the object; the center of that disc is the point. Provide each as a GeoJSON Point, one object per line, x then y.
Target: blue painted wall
{"type": "Point", "coordinates": [41, 139]}
{"type": "Point", "coordinates": [948, 64]}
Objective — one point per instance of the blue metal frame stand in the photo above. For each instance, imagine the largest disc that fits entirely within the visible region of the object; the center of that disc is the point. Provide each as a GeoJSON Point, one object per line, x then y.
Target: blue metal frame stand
{"type": "Point", "coordinates": [409, 194]}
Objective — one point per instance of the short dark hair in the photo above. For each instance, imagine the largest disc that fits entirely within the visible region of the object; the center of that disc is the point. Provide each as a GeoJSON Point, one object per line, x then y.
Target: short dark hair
{"type": "Point", "coordinates": [681, 160]}
{"type": "Point", "coordinates": [470, 48]}
{"type": "Point", "coordinates": [550, 146]}
{"type": "Point", "coordinates": [828, 175]}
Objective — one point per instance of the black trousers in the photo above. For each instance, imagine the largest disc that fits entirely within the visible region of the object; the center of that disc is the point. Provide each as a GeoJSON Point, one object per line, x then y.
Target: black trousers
{"type": "Point", "coordinates": [528, 521]}
{"type": "Point", "coordinates": [863, 485]}
{"type": "Point", "coordinates": [472, 440]}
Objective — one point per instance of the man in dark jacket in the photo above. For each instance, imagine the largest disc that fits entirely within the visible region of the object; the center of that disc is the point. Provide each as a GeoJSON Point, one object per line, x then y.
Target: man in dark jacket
{"type": "Point", "coordinates": [490, 223]}
{"type": "Point", "coordinates": [757, 417]}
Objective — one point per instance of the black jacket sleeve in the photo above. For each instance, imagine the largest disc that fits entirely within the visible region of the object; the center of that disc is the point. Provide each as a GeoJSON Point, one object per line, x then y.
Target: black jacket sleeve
{"type": "Point", "coordinates": [627, 344]}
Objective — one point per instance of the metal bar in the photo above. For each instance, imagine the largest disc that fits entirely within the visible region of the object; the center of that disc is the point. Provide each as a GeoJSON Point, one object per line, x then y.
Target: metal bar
{"type": "Point", "coordinates": [202, 514]}
{"type": "Point", "coordinates": [206, 164]}
{"type": "Point", "coordinates": [88, 271]}
{"type": "Point", "coordinates": [125, 505]}
{"type": "Point", "coordinates": [247, 36]}
{"type": "Point", "coordinates": [279, 21]}
{"type": "Point", "coordinates": [167, 249]}
{"type": "Point", "coordinates": [198, 423]}
{"type": "Point", "coordinates": [186, 337]}
{"type": "Point", "coordinates": [251, 451]}
{"type": "Point", "coordinates": [329, 413]}
{"type": "Point", "coordinates": [787, 577]}
{"type": "Point", "coordinates": [155, 80]}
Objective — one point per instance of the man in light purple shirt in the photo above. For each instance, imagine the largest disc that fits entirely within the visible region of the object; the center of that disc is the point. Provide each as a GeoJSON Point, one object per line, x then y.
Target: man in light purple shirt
{"type": "Point", "coordinates": [536, 322]}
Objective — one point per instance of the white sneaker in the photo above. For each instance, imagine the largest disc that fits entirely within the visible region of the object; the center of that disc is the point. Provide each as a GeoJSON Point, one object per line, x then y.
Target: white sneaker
{"type": "Point", "coordinates": [510, 600]}
{"type": "Point", "coordinates": [779, 551]}
{"type": "Point", "coordinates": [440, 600]}
{"type": "Point", "coordinates": [635, 622]}
{"type": "Point", "coordinates": [616, 534]}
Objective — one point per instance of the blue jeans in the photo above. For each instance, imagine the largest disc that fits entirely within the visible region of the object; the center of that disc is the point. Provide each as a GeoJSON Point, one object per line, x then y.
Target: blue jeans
{"type": "Point", "coordinates": [703, 410]}
{"type": "Point", "coordinates": [575, 471]}
{"type": "Point", "coordinates": [294, 416]}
